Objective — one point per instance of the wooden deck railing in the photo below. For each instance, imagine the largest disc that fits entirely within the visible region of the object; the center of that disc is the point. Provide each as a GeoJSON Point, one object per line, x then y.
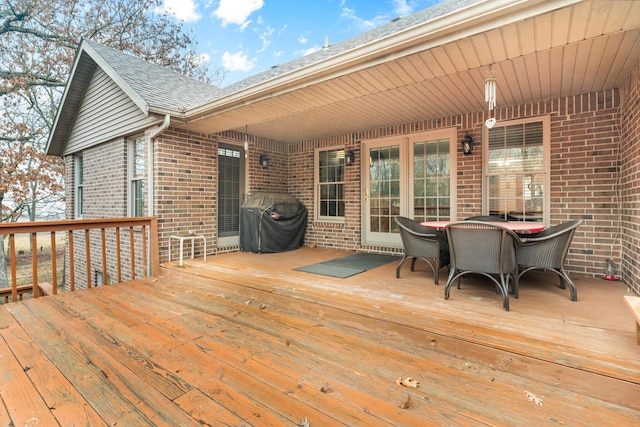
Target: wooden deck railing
{"type": "Point", "coordinates": [148, 229]}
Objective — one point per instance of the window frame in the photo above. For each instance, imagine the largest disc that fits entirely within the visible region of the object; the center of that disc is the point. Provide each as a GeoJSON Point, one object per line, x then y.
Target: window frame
{"type": "Point", "coordinates": [317, 184]}
{"type": "Point", "coordinates": [546, 159]}
{"type": "Point", "coordinates": [78, 168]}
{"type": "Point", "coordinates": [134, 180]}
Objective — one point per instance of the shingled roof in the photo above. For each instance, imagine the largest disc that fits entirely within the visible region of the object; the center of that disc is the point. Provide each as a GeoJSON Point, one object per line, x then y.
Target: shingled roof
{"type": "Point", "coordinates": [159, 87]}
{"type": "Point", "coordinates": [393, 27]}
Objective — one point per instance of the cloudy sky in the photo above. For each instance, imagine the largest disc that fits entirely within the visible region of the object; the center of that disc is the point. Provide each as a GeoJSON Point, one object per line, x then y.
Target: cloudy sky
{"type": "Point", "coordinates": [249, 36]}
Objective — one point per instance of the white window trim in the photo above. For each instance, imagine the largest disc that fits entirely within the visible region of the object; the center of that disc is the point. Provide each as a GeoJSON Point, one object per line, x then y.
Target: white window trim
{"type": "Point", "coordinates": [316, 187]}
{"type": "Point", "coordinates": [78, 208]}
{"type": "Point", "coordinates": [546, 147]}
{"type": "Point", "coordinates": [130, 173]}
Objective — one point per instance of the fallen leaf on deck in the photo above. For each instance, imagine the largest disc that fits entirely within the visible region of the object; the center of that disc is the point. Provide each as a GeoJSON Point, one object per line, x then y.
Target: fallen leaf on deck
{"type": "Point", "coordinates": [221, 296]}
{"type": "Point", "coordinates": [326, 389]}
{"type": "Point", "coordinates": [407, 403]}
{"type": "Point", "coordinates": [407, 382]}
{"type": "Point", "coordinates": [263, 306]}
{"type": "Point", "coordinates": [533, 398]}
{"type": "Point", "coordinates": [304, 422]}
{"type": "Point", "coordinates": [247, 302]}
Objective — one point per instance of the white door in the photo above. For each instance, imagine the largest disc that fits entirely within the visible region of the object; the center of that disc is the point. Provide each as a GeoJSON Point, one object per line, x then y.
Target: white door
{"type": "Point", "coordinates": [413, 176]}
{"type": "Point", "coordinates": [384, 192]}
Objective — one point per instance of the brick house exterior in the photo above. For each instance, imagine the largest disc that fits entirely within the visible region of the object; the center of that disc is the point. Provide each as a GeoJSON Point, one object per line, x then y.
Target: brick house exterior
{"type": "Point", "coordinates": [593, 174]}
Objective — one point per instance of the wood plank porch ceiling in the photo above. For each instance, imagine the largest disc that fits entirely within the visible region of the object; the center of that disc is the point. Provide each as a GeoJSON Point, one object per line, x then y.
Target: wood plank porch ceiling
{"type": "Point", "coordinates": [243, 339]}
{"type": "Point", "coordinates": [585, 47]}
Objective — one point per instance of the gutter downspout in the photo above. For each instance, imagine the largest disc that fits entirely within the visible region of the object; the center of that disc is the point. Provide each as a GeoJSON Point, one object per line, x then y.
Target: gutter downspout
{"type": "Point", "coordinates": [154, 134]}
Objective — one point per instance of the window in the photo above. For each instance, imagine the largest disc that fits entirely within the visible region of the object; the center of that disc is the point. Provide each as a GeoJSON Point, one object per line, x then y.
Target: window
{"type": "Point", "coordinates": [137, 172]}
{"type": "Point", "coordinates": [99, 278]}
{"type": "Point", "coordinates": [329, 184]}
{"type": "Point", "coordinates": [79, 181]}
{"type": "Point", "coordinates": [516, 170]}
{"type": "Point", "coordinates": [432, 180]}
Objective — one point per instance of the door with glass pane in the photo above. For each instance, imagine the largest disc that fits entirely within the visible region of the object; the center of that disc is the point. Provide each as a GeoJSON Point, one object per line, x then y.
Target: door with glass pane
{"type": "Point", "coordinates": [383, 194]}
{"type": "Point", "coordinates": [412, 176]}
{"type": "Point", "coordinates": [432, 179]}
{"type": "Point", "coordinates": [230, 193]}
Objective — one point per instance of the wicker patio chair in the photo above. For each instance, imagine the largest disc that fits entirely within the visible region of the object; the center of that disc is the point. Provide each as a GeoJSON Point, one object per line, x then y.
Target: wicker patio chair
{"type": "Point", "coordinates": [486, 218]}
{"type": "Point", "coordinates": [547, 250]}
{"type": "Point", "coordinates": [422, 243]}
{"type": "Point", "coordinates": [483, 248]}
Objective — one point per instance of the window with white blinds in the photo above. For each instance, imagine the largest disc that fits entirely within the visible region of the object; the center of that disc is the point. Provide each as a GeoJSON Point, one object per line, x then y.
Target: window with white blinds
{"type": "Point", "coordinates": [517, 170]}
{"type": "Point", "coordinates": [229, 190]}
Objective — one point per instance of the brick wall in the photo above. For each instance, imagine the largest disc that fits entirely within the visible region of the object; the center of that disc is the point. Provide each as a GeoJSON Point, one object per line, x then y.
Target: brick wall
{"type": "Point", "coordinates": [630, 181]}
{"type": "Point", "coordinates": [186, 185]}
{"type": "Point", "coordinates": [105, 196]}
{"type": "Point", "coordinates": [584, 173]}
{"type": "Point", "coordinates": [186, 180]}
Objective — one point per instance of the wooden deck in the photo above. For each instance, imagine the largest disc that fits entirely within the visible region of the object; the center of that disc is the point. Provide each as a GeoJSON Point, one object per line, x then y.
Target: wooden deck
{"type": "Point", "coordinates": [246, 340]}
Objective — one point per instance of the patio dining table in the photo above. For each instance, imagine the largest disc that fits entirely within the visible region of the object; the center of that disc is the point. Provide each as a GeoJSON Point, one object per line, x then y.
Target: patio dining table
{"type": "Point", "coordinates": [516, 226]}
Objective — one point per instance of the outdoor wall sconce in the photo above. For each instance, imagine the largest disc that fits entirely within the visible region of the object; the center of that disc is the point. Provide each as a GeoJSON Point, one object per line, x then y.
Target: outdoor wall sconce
{"type": "Point", "coordinates": [264, 160]}
{"type": "Point", "coordinates": [467, 144]}
{"type": "Point", "coordinates": [349, 157]}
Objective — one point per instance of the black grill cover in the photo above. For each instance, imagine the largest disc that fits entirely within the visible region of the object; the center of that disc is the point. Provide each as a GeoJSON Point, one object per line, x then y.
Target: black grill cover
{"type": "Point", "coordinates": [272, 222]}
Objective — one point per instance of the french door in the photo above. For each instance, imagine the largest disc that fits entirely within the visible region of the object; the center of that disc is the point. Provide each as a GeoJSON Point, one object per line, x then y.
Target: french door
{"type": "Point", "coordinates": [411, 176]}
{"type": "Point", "coordinates": [230, 193]}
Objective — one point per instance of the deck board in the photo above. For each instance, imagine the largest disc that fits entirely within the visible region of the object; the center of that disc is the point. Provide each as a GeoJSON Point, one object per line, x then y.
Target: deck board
{"type": "Point", "coordinates": [243, 339]}
{"type": "Point", "coordinates": [58, 393]}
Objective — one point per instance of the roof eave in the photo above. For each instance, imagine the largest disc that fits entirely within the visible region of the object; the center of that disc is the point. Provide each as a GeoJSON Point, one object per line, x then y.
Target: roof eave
{"type": "Point", "coordinates": [461, 23]}
{"type": "Point", "coordinates": [55, 140]}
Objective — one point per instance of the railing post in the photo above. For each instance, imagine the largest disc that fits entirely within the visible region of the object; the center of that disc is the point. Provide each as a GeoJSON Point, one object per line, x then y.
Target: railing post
{"type": "Point", "coordinates": [154, 251]}
{"type": "Point", "coordinates": [104, 256]}
{"type": "Point", "coordinates": [87, 245]}
{"type": "Point", "coordinates": [145, 266]}
{"type": "Point", "coordinates": [54, 264]}
{"type": "Point", "coordinates": [72, 277]}
{"type": "Point", "coordinates": [118, 256]}
{"type": "Point", "coordinates": [132, 252]}
{"type": "Point", "coordinates": [14, 273]}
{"type": "Point", "coordinates": [34, 266]}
